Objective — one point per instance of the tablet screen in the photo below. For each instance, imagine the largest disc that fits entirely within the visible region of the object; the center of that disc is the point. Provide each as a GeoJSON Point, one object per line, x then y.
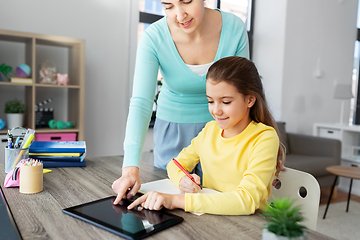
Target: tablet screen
{"type": "Point", "coordinates": [130, 224]}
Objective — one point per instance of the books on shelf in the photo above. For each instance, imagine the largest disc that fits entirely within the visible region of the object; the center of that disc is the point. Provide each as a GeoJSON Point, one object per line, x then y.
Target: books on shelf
{"type": "Point", "coordinates": [59, 153]}
{"type": "Point", "coordinates": [21, 80]}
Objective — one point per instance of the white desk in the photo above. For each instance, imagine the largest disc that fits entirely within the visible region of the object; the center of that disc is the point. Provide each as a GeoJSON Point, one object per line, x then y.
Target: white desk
{"type": "Point", "coordinates": [350, 147]}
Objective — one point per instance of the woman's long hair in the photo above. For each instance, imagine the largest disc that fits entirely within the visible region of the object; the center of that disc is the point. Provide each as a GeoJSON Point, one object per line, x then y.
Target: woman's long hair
{"type": "Point", "coordinates": [242, 73]}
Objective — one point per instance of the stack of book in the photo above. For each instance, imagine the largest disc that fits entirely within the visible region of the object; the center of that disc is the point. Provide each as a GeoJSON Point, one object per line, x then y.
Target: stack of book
{"type": "Point", "coordinates": [21, 80]}
{"type": "Point", "coordinates": [59, 153]}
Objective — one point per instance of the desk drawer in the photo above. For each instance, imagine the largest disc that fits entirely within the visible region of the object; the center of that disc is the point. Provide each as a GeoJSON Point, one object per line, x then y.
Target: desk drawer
{"type": "Point", "coordinates": [330, 133]}
{"type": "Point", "coordinates": [55, 136]}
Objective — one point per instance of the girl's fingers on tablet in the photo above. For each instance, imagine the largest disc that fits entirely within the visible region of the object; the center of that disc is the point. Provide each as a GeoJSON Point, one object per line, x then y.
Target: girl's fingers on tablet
{"type": "Point", "coordinates": [138, 201]}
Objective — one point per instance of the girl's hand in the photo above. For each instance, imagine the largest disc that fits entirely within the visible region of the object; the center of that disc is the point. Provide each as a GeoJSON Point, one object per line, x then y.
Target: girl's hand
{"type": "Point", "coordinates": [188, 186]}
{"type": "Point", "coordinates": [155, 201]}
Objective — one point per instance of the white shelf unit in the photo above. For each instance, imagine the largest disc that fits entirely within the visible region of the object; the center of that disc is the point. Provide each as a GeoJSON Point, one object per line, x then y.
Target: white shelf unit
{"type": "Point", "coordinates": [349, 135]}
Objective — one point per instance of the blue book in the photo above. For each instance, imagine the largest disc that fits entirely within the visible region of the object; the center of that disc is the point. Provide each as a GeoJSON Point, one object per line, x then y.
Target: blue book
{"type": "Point", "coordinates": [57, 147]}
{"type": "Point", "coordinates": [58, 158]}
{"type": "Point", "coordinates": [55, 164]}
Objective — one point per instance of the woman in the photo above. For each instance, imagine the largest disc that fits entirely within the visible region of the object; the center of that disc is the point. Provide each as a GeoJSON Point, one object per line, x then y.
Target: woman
{"type": "Point", "coordinates": [183, 45]}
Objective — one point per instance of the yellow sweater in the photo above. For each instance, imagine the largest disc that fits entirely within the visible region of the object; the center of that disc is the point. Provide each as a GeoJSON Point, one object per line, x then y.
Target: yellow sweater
{"type": "Point", "coordinates": [241, 168]}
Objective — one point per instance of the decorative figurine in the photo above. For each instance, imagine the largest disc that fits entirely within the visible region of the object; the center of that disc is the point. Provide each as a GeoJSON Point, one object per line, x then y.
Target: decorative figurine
{"type": "Point", "coordinates": [48, 73]}
{"type": "Point", "coordinates": [4, 69]}
{"type": "Point", "coordinates": [23, 71]}
{"type": "Point", "coordinates": [62, 79]}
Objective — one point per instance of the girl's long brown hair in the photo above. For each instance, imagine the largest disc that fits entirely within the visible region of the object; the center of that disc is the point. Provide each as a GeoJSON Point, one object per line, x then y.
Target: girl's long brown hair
{"type": "Point", "coordinates": [242, 73]}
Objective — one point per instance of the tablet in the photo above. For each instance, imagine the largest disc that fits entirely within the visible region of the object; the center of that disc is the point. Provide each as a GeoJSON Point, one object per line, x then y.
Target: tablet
{"type": "Point", "coordinates": [129, 224]}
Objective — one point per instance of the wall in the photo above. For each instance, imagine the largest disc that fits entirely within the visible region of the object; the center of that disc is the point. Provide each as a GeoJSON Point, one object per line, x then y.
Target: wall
{"type": "Point", "coordinates": [302, 50]}
{"type": "Point", "coordinates": [268, 49]}
{"type": "Point", "coordinates": [105, 25]}
{"type": "Point", "coordinates": [292, 42]}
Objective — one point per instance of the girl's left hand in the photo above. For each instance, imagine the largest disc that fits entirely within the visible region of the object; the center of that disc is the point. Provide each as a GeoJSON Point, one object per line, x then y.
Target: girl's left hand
{"type": "Point", "coordinates": [155, 201]}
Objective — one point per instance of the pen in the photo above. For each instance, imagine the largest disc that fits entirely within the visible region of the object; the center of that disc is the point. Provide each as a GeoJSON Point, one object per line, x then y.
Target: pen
{"type": "Point", "coordinates": [184, 171]}
{"type": "Point", "coordinates": [9, 142]}
{"type": "Point", "coordinates": [27, 135]}
{"type": "Point", "coordinates": [17, 142]}
{"type": "Point", "coordinates": [26, 145]}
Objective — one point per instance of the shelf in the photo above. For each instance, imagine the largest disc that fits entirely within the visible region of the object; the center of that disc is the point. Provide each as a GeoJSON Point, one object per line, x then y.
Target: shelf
{"type": "Point", "coordinates": [50, 130]}
{"type": "Point", "coordinates": [15, 84]}
{"type": "Point", "coordinates": [349, 135]}
{"type": "Point", "coordinates": [68, 57]}
{"type": "Point", "coordinates": [56, 86]}
{"type": "Point", "coordinates": [39, 85]}
{"type": "Point", "coordinates": [350, 159]}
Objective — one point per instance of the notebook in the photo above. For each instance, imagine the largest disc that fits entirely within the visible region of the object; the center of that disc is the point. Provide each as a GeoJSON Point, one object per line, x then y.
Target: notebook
{"type": "Point", "coordinates": [167, 186]}
{"type": "Point", "coordinates": [57, 147]}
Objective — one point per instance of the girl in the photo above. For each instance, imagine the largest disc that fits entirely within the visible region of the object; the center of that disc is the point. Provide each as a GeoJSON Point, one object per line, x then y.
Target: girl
{"type": "Point", "coordinates": [182, 45]}
{"type": "Point", "coordinates": [239, 151]}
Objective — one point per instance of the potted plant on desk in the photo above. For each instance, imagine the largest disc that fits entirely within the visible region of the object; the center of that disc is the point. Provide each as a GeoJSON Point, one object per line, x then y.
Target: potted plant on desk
{"type": "Point", "coordinates": [283, 221]}
{"type": "Point", "coordinates": [14, 110]}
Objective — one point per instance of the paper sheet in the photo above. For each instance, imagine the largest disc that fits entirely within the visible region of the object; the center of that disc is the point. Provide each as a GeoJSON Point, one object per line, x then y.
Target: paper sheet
{"type": "Point", "coordinates": [167, 186]}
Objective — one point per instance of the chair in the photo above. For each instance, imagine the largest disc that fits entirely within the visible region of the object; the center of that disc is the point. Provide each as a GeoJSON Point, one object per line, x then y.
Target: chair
{"type": "Point", "coordinates": [304, 188]}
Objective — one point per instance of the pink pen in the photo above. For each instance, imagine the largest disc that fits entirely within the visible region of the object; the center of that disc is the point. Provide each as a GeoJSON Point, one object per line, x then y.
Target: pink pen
{"type": "Point", "coordinates": [184, 171]}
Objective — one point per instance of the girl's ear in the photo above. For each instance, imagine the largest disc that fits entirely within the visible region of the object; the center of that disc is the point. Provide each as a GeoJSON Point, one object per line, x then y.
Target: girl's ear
{"type": "Point", "coordinates": [251, 101]}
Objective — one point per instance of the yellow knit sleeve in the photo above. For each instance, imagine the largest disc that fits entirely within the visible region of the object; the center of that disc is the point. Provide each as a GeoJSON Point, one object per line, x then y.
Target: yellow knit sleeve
{"type": "Point", "coordinates": [254, 187]}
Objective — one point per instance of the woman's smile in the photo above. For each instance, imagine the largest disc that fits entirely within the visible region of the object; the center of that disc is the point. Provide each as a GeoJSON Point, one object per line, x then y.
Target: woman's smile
{"type": "Point", "coordinates": [186, 24]}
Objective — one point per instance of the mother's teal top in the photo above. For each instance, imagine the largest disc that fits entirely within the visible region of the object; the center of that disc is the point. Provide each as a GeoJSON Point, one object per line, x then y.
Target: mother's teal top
{"type": "Point", "coordinates": [182, 98]}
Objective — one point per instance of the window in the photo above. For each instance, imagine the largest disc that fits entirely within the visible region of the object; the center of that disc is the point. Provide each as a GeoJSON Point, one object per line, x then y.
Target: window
{"type": "Point", "coordinates": [355, 102]}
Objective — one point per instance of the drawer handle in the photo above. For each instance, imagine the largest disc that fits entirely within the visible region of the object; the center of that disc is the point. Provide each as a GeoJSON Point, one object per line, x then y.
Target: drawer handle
{"type": "Point", "coordinates": [4, 140]}
{"type": "Point", "coordinates": [55, 138]}
{"type": "Point", "coordinates": [330, 131]}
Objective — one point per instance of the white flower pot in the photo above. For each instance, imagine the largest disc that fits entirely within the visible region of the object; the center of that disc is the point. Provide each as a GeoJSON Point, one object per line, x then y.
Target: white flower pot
{"type": "Point", "coordinates": [267, 235]}
{"type": "Point", "coordinates": [14, 120]}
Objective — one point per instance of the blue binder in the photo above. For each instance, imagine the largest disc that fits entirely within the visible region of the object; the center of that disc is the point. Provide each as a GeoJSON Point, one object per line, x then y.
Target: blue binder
{"type": "Point", "coordinates": [58, 147]}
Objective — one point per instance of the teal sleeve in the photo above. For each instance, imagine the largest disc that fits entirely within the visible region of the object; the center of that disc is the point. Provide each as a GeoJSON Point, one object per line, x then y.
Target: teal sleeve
{"type": "Point", "coordinates": [243, 47]}
{"type": "Point", "coordinates": [142, 100]}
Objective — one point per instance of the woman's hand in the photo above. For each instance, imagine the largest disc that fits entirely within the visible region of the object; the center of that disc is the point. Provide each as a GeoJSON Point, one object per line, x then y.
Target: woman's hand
{"type": "Point", "coordinates": [155, 201]}
{"type": "Point", "coordinates": [129, 179]}
{"type": "Point", "coordinates": [186, 185]}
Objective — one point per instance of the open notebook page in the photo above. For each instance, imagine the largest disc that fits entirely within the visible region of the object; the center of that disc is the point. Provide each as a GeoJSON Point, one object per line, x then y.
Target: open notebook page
{"type": "Point", "coordinates": [167, 186]}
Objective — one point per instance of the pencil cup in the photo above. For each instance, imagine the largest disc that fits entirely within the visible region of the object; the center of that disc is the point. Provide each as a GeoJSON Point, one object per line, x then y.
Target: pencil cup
{"type": "Point", "coordinates": [31, 179]}
{"type": "Point", "coordinates": [13, 156]}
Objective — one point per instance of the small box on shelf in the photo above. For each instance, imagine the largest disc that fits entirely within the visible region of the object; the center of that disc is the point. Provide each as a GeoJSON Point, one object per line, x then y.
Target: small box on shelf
{"type": "Point", "coordinates": [55, 136]}
{"type": "Point", "coordinates": [355, 150]}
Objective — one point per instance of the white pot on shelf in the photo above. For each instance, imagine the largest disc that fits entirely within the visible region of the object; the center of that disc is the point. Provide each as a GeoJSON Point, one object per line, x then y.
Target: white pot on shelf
{"type": "Point", "coordinates": [14, 120]}
{"type": "Point", "coordinates": [267, 235]}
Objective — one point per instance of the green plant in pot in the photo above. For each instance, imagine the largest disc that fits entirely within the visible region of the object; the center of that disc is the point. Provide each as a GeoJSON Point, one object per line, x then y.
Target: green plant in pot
{"type": "Point", "coordinates": [283, 220]}
{"type": "Point", "coordinates": [14, 110]}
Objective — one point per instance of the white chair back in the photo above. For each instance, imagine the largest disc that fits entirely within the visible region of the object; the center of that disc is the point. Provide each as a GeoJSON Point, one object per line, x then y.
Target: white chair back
{"type": "Point", "coordinates": [304, 188]}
